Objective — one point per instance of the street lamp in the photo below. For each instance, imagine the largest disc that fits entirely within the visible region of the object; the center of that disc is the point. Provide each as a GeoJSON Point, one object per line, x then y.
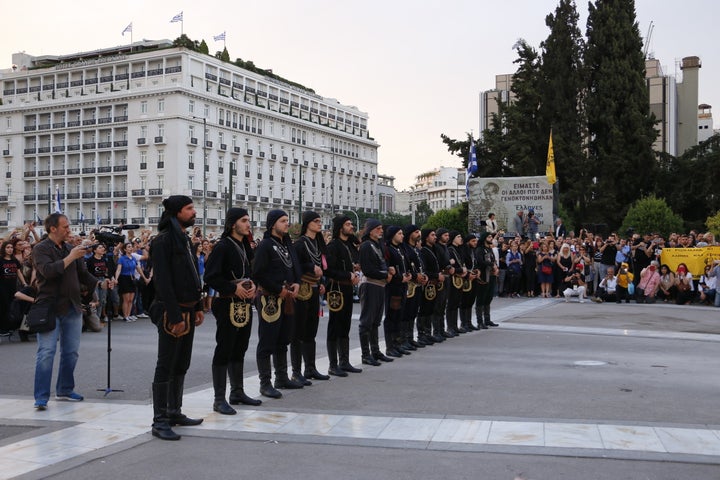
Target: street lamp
{"type": "Point", "coordinates": [205, 168]}
{"type": "Point", "coordinates": [332, 179]}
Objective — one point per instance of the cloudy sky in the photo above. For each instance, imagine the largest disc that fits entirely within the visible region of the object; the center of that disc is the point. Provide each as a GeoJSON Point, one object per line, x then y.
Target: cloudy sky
{"type": "Point", "coordinates": [416, 67]}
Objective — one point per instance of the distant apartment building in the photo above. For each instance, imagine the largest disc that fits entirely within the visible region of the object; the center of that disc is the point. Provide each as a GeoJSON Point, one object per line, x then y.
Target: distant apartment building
{"type": "Point", "coordinates": [113, 131]}
{"type": "Point", "coordinates": [386, 194]}
{"type": "Point", "coordinates": [442, 188]}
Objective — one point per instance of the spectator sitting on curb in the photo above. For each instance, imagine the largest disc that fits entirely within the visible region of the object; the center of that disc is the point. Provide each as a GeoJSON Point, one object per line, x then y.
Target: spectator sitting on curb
{"type": "Point", "coordinates": [707, 286]}
{"type": "Point", "coordinates": [574, 283]}
{"type": "Point", "coordinates": [624, 278]}
{"type": "Point", "coordinates": [607, 291]}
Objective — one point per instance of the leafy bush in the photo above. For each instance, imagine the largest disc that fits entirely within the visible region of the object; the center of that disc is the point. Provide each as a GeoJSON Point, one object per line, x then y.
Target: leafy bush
{"type": "Point", "coordinates": [652, 214]}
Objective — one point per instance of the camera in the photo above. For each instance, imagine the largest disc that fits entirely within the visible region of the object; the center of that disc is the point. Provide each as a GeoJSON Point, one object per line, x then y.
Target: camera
{"type": "Point", "coordinates": [111, 236]}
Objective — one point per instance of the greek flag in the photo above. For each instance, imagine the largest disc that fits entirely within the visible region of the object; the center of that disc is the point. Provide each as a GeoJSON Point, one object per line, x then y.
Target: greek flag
{"type": "Point", "coordinates": [128, 29]}
{"type": "Point", "coordinates": [58, 205]}
{"type": "Point", "coordinates": [220, 37]}
{"type": "Point", "coordinates": [177, 18]}
{"type": "Point", "coordinates": [471, 168]}
{"type": "Point", "coordinates": [98, 219]}
{"type": "Point", "coordinates": [82, 217]}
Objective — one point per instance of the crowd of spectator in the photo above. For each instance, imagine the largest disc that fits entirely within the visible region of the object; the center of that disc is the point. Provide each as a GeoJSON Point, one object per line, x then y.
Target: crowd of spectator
{"type": "Point", "coordinates": [587, 266]}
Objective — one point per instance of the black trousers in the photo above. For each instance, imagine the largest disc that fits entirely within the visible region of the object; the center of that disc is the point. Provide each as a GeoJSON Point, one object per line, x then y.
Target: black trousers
{"type": "Point", "coordinates": [231, 342]}
{"type": "Point", "coordinates": [372, 304]}
{"type": "Point", "coordinates": [307, 318]}
{"type": "Point", "coordinates": [339, 322]}
{"type": "Point", "coordinates": [274, 337]}
{"type": "Point", "coordinates": [174, 353]}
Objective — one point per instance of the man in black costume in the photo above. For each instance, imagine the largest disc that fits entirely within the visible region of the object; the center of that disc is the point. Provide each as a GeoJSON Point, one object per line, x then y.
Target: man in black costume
{"type": "Point", "coordinates": [277, 274]}
{"type": "Point", "coordinates": [376, 274]}
{"type": "Point", "coordinates": [311, 252]}
{"type": "Point", "coordinates": [227, 271]}
{"type": "Point", "coordinates": [176, 311]}
{"type": "Point", "coordinates": [343, 275]}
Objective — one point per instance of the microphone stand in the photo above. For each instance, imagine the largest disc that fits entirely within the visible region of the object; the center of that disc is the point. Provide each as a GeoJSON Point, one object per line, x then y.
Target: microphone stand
{"type": "Point", "coordinates": [108, 389]}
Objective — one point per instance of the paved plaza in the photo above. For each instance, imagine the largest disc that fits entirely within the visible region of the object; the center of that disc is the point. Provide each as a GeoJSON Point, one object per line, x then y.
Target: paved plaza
{"type": "Point", "coordinates": [582, 391]}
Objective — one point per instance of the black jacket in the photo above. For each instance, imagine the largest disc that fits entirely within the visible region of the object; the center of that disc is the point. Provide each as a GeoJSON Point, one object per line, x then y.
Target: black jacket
{"type": "Point", "coordinates": [372, 260]}
{"type": "Point", "coordinates": [226, 264]}
{"type": "Point", "coordinates": [269, 269]}
{"type": "Point", "coordinates": [341, 259]}
{"type": "Point", "coordinates": [175, 272]}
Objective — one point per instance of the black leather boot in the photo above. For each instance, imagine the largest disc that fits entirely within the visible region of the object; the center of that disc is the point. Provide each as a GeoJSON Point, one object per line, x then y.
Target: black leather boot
{"type": "Point", "coordinates": [311, 371]}
{"type": "Point", "coordinates": [375, 346]}
{"type": "Point", "coordinates": [281, 376]}
{"type": "Point", "coordinates": [344, 356]}
{"type": "Point", "coordinates": [488, 322]}
{"type": "Point", "coordinates": [161, 426]}
{"type": "Point", "coordinates": [333, 368]}
{"type": "Point", "coordinates": [175, 394]}
{"type": "Point", "coordinates": [237, 391]}
{"type": "Point", "coordinates": [438, 326]}
{"type": "Point", "coordinates": [219, 376]}
{"type": "Point", "coordinates": [296, 357]}
{"type": "Point", "coordinates": [367, 357]}
{"type": "Point", "coordinates": [266, 388]}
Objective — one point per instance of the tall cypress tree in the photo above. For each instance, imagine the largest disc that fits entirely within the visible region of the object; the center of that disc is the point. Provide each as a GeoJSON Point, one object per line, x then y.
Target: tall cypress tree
{"type": "Point", "coordinates": [524, 133]}
{"type": "Point", "coordinates": [620, 126]}
{"type": "Point", "coordinates": [561, 87]}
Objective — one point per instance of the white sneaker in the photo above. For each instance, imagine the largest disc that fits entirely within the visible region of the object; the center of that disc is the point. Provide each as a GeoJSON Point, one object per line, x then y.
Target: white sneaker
{"type": "Point", "coordinates": [582, 300]}
{"type": "Point", "coordinates": [143, 315]}
{"type": "Point", "coordinates": [133, 318]}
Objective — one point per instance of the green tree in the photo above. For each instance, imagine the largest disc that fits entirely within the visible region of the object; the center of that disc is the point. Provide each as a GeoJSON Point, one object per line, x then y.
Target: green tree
{"type": "Point", "coordinates": [394, 219]}
{"type": "Point", "coordinates": [620, 125]}
{"type": "Point", "coordinates": [224, 55]}
{"type": "Point", "coordinates": [652, 214]}
{"type": "Point", "coordinates": [422, 212]}
{"type": "Point", "coordinates": [455, 218]}
{"type": "Point", "coordinates": [524, 133]}
{"type": "Point", "coordinates": [561, 90]}
{"type": "Point", "coordinates": [184, 41]}
{"type": "Point", "coordinates": [203, 48]}
{"type": "Point", "coordinates": [689, 182]}
{"type": "Point", "coordinates": [713, 225]}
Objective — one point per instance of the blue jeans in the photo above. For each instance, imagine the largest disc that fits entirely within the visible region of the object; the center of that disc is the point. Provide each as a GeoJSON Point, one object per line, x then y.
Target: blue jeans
{"type": "Point", "coordinates": [68, 328]}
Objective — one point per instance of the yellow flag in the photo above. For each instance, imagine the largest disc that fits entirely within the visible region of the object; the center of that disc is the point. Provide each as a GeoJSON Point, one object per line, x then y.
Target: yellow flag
{"type": "Point", "coordinates": [550, 165]}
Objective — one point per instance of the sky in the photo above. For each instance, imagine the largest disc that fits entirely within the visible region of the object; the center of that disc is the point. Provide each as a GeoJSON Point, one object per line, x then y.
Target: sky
{"type": "Point", "coordinates": [416, 68]}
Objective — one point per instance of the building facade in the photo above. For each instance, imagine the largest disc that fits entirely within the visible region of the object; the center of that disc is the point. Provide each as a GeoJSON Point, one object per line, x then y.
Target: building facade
{"type": "Point", "coordinates": [114, 131]}
{"type": "Point", "coordinates": [442, 189]}
{"type": "Point", "coordinates": [386, 194]}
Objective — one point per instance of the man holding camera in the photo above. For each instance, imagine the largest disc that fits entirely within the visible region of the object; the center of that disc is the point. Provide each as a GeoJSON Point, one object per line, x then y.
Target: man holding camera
{"type": "Point", "coordinates": [60, 273]}
{"type": "Point", "coordinates": [609, 252]}
{"type": "Point", "coordinates": [574, 283]}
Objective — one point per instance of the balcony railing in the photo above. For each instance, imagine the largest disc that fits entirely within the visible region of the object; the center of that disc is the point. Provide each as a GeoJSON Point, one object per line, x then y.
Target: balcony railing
{"type": "Point", "coordinates": [120, 168]}
{"type": "Point", "coordinates": [88, 170]}
{"type": "Point", "coordinates": [140, 192]}
{"type": "Point", "coordinates": [104, 194]}
{"type": "Point", "coordinates": [155, 191]}
{"type": "Point", "coordinates": [73, 171]}
{"type": "Point", "coordinates": [104, 169]}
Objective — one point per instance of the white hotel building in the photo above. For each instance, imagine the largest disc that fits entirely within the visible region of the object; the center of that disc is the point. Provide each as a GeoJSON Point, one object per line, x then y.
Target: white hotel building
{"type": "Point", "coordinates": [116, 130]}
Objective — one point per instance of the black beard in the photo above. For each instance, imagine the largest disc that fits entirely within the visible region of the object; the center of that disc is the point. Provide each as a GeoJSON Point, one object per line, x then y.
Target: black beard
{"type": "Point", "coordinates": [189, 223]}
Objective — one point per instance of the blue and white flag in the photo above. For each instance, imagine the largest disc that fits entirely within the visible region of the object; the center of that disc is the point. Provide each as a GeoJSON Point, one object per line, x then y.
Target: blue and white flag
{"type": "Point", "coordinates": [220, 37]}
{"type": "Point", "coordinates": [471, 168]}
{"type": "Point", "coordinates": [177, 18]}
{"type": "Point", "coordinates": [58, 205]}
{"type": "Point", "coordinates": [82, 217]}
{"type": "Point", "coordinates": [98, 219]}
{"type": "Point", "coordinates": [128, 29]}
